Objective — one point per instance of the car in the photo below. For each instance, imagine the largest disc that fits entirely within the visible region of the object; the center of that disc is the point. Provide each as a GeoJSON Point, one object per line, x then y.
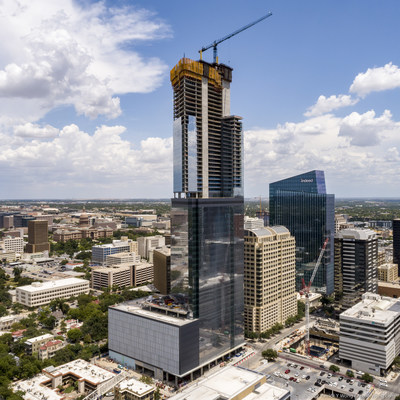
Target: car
{"type": "Point", "coordinates": [291, 378]}
{"type": "Point", "coordinates": [322, 366]}
{"type": "Point", "coordinates": [360, 392]}
{"type": "Point", "coordinates": [301, 367]}
{"type": "Point", "coordinates": [298, 380]}
{"type": "Point", "coordinates": [296, 374]}
{"type": "Point", "coordinates": [329, 375]}
{"type": "Point", "coordinates": [335, 384]}
{"type": "Point", "coordinates": [308, 377]}
{"type": "Point", "coordinates": [294, 380]}
{"type": "Point", "coordinates": [277, 374]}
{"type": "Point", "coordinates": [347, 380]}
{"type": "Point", "coordinates": [383, 384]}
{"type": "Point", "coordinates": [351, 390]}
{"type": "Point", "coordinates": [295, 366]}
{"type": "Point", "coordinates": [363, 384]}
{"type": "Point", "coordinates": [342, 387]}
{"type": "Point", "coordinates": [323, 382]}
{"type": "Point", "coordinates": [289, 365]}
{"type": "Point", "coordinates": [340, 378]}
{"type": "Point", "coordinates": [304, 376]}
{"type": "Point", "coordinates": [287, 371]}
{"type": "Point", "coordinates": [352, 381]}
{"type": "Point", "coordinates": [322, 373]}
{"type": "Point", "coordinates": [382, 380]}
{"type": "Point", "coordinates": [310, 389]}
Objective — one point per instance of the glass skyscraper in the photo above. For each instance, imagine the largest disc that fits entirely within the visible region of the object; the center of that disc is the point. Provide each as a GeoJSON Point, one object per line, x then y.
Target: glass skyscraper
{"type": "Point", "coordinates": [207, 208]}
{"type": "Point", "coordinates": [302, 205]}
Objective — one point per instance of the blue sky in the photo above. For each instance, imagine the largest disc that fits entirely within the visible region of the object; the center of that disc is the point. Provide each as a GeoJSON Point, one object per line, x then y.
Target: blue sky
{"type": "Point", "coordinates": [87, 103]}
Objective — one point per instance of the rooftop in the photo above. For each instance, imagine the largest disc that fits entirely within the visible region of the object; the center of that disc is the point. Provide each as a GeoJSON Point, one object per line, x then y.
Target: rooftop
{"type": "Point", "coordinates": [375, 309]}
{"type": "Point", "coordinates": [229, 383]}
{"type": "Point", "coordinates": [39, 338]}
{"type": "Point", "coordinates": [135, 386]}
{"type": "Point", "coordinates": [39, 286]}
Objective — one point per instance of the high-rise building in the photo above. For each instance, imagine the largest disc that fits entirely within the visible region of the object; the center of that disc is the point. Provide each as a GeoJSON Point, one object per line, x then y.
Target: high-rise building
{"type": "Point", "coordinates": [162, 269]}
{"type": "Point", "coordinates": [396, 242]}
{"type": "Point", "coordinates": [207, 208]}
{"type": "Point", "coordinates": [269, 277]}
{"type": "Point", "coordinates": [37, 237]}
{"type": "Point", "coordinates": [356, 265]}
{"type": "Point", "coordinates": [301, 204]}
{"type": "Point", "coordinates": [205, 321]}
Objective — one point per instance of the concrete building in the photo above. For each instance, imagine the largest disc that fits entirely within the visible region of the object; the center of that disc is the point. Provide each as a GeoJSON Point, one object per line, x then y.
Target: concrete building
{"type": "Point", "coordinates": [14, 244]}
{"type": "Point", "coordinates": [46, 385]}
{"type": "Point", "coordinates": [253, 223]}
{"type": "Point", "coordinates": [341, 222]}
{"type": "Point", "coordinates": [389, 289]}
{"type": "Point", "coordinates": [107, 277]}
{"type": "Point", "coordinates": [8, 320]}
{"type": "Point", "coordinates": [132, 389]}
{"type": "Point", "coordinates": [37, 237]}
{"type": "Point", "coordinates": [122, 258]}
{"type": "Point", "coordinates": [162, 270]}
{"type": "Point", "coordinates": [101, 251]}
{"type": "Point", "coordinates": [269, 277]}
{"type": "Point", "coordinates": [8, 221]}
{"type": "Point", "coordinates": [370, 334]}
{"type": "Point", "coordinates": [388, 272]}
{"type": "Point", "coordinates": [33, 345]}
{"type": "Point", "coordinates": [139, 220]}
{"type": "Point", "coordinates": [233, 383]}
{"type": "Point", "coordinates": [49, 349]}
{"type": "Point", "coordinates": [39, 293]}
{"type": "Point", "coordinates": [142, 273]}
{"type": "Point", "coordinates": [146, 244]}
{"type": "Point", "coordinates": [64, 234]}
{"type": "Point", "coordinates": [356, 272]}
{"type": "Point", "coordinates": [301, 203]}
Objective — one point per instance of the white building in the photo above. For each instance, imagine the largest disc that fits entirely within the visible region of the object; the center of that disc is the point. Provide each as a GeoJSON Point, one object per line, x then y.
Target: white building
{"type": "Point", "coordinates": [148, 243]}
{"type": "Point", "coordinates": [253, 223]}
{"type": "Point", "coordinates": [39, 293]}
{"type": "Point", "coordinates": [122, 258]}
{"type": "Point", "coordinates": [15, 244]}
{"type": "Point", "coordinates": [100, 252]}
{"type": "Point", "coordinates": [370, 333]}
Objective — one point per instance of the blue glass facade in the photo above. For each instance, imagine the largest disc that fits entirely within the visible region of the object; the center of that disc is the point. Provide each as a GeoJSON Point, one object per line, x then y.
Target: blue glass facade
{"type": "Point", "coordinates": [302, 205]}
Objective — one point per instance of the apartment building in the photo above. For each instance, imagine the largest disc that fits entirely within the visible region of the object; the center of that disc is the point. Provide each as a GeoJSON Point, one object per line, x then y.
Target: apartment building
{"type": "Point", "coordinates": [370, 333]}
{"type": "Point", "coordinates": [388, 272]}
{"type": "Point", "coordinates": [33, 345]}
{"type": "Point", "coordinates": [39, 293]}
{"type": "Point", "coordinates": [269, 277]}
{"type": "Point", "coordinates": [49, 349]}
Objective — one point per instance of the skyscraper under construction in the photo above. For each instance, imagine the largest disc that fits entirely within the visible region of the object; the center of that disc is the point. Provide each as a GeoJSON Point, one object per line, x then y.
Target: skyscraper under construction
{"type": "Point", "coordinates": [207, 208]}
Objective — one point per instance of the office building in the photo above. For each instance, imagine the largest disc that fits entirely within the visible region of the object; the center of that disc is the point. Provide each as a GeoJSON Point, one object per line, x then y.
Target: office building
{"type": "Point", "coordinates": [370, 334]}
{"type": "Point", "coordinates": [206, 237]}
{"type": "Point", "coordinates": [8, 221]}
{"type": "Point", "coordinates": [148, 243]}
{"type": "Point", "coordinates": [302, 205]}
{"type": "Point", "coordinates": [101, 251]}
{"type": "Point", "coordinates": [15, 244]}
{"type": "Point", "coordinates": [37, 237]}
{"type": "Point", "coordinates": [356, 269]}
{"type": "Point", "coordinates": [253, 223]}
{"type": "Point", "coordinates": [233, 383]}
{"type": "Point", "coordinates": [342, 222]}
{"type": "Point", "coordinates": [39, 293]}
{"type": "Point", "coordinates": [162, 270]}
{"type": "Point", "coordinates": [122, 258]}
{"type": "Point", "coordinates": [269, 277]}
{"type": "Point", "coordinates": [396, 241]}
{"type": "Point", "coordinates": [388, 272]}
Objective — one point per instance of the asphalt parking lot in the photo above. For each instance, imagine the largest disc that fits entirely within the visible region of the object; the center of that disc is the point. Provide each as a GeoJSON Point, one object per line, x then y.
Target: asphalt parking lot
{"type": "Point", "coordinates": [304, 382]}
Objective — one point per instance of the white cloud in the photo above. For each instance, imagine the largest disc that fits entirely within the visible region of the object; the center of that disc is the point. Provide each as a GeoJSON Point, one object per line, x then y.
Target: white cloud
{"type": "Point", "coordinates": [328, 104]}
{"type": "Point", "coordinates": [365, 129]}
{"type": "Point", "coordinates": [376, 80]}
{"type": "Point", "coordinates": [61, 53]}
{"type": "Point", "coordinates": [29, 130]}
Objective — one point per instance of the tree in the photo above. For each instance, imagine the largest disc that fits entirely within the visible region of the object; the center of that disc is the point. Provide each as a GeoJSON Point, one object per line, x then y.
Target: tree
{"type": "Point", "coordinates": [396, 362]}
{"type": "Point", "coordinates": [157, 395]}
{"type": "Point", "coordinates": [397, 397]}
{"type": "Point", "coordinates": [367, 378]}
{"type": "Point", "coordinates": [350, 374]}
{"type": "Point", "coordinates": [146, 379]}
{"type": "Point", "coordinates": [270, 354]}
{"type": "Point", "coordinates": [74, 335]}
{"type": "Point", "coordinates": [3, 310]}
{"type": "Point", "coordinates": [334, 368]}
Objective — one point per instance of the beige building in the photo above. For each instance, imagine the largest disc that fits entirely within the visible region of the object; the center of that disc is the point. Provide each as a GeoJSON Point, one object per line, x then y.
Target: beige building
{"type": "Point", "coordinates": [341, 222]}
{"type": "Point", "coordinates": [49, 349]}
{"type": "Point", "coordinates": [388, 272]}
{"type": "Point", "coordinates": [148, 243]}
{"type": "Point", "coordinates": [122, 258]}
{"type": "Point", "coordinates": [39, 293]}
{"type": "Point", "coordinates": [33, 345]}
{"type": "Point", "coordinates": [132, 389]}
{"type": "Point", "coordinates": [14, 244]}
{"type": "Point", "coordinates": [62, 235]}
{"type": "Point", "coordinates": [269, 277]}
{"type": "Point", "coordinates": [162, 270]}
{"type": "Point", "coordinates": [105, 277]}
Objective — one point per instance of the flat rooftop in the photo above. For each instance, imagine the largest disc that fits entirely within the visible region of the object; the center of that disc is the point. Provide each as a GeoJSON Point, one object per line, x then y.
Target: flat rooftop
{"type": "Point", "coordinates": [35, 390]}
{"type": "Point", "coordinates": [135, 307]}
{"type": "Point", "coordinates": [374, 308]}
{"type": "Point", "coordinates": [39, 286]}
{"type": "Point", "coordinates": [135, 386]}
{"type": "Point", "coordinates": [39, 338]}
{"type": "Point", "coordinates": [228, 383]}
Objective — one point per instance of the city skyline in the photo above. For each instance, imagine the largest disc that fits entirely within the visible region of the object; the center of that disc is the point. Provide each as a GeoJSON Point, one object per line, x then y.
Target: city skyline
{"type": "Point", "coordinates": [86, 100]}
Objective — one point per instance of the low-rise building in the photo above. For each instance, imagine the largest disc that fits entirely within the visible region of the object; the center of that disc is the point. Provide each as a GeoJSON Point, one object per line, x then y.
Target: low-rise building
{"type": "Point", "coordinates": [122, 258]}
{"type": "Point", "coordinates": [388, 272]}
{"type": "Point", "coordinates": [142, 273]}
{"type": "Point", "coordinates": [33, 345]}
{"type": "Point", "coordinates": [8, 320]}
{"type": "Point", "coordinates": [39, 293]}
{"type": "Point", "coordinates": [14, 244]}
{"type": "Point", "coordinates": [132, 389]}
{"type": "Point", "coordinates": [389, 289]}
{"type": "Point", "coordinates": [100, 252]}
{"type": "Point", "coordinates": [106, 277]}
{"type": "Point", "coordinates": [49, 349]}
{"type": "Point", "coordinates": [370, 334]}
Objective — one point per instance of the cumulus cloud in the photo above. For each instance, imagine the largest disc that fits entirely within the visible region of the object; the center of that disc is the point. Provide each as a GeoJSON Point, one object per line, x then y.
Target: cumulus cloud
{"type": "Point", "coordinates": [98, 165]}
{"type": "Point", "coordinates": [366, 129]}
{"type": "Point", "coordinates": [30, 130]}
{"type": "Point", "coordinates": [376, 80]}
{"type": "Point", "coordinates": [68, 54]}
{"type": "Point", "coordinates": [327, 104]}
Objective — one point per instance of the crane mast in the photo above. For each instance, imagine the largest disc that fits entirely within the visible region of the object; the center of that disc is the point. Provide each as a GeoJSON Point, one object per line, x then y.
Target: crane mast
{"type": "Point", "coordinates": [217, 42]}
{"type": "Point", "coordinates": [306, 291]}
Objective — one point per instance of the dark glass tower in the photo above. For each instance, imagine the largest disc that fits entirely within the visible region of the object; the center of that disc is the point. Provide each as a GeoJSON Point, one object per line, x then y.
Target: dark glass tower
{"type": "Point", "coordinates": [301, 204]}
{"type": "Point", "coordinates": [396, 242]}
{"type": "Point", "coordinates": [207, 208]}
